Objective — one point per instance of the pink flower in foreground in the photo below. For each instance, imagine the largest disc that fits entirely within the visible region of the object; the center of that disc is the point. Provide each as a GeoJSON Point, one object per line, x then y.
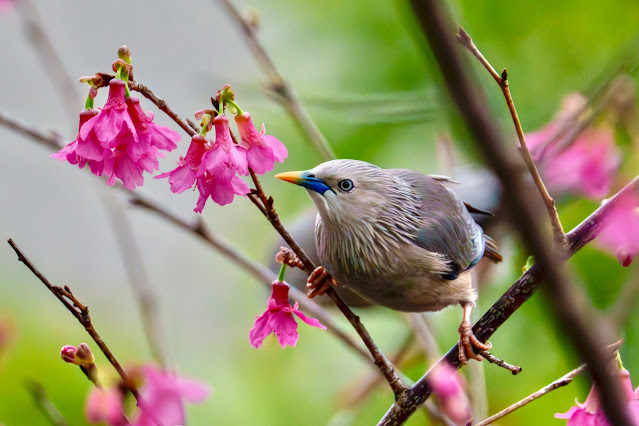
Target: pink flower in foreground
{"type": "Point", "coordinates": [183, 176]}
{"type": "Point", "coordinates": [278, 318]}
{"type": "Point", "coordinates": [164, 395]}
{"type": "Point", "coordinates": [590, 413]}
{"type": "Point", "coordinates": [621, 230]}
{"type": "Point", "coordinates": [587, 166]}
{"type": "Point", "coordinates": [69, 152]}
{"type": "Point", "coordinates": [105, 406]}
{"type": "Point", "coordinates": [221, 187]}
{"type": "Point", "coordinates": [263, 150]}
{"type": "Point", "coordinates": [447, 385]}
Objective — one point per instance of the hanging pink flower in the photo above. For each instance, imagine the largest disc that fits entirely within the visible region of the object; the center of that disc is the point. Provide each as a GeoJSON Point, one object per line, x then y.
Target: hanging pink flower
{"type": "Point", "coordinates": [163, 397]}
{"type": "Point", "coordinates": [448, 385]}
{"type": "Point", "coordinates": [149, 133]}
{"type": "Point", "coordinates": [590, 413]}
{"type": "Point", "coordinates": [263, 150]}
{"type": "Point", "coordinates": [278, 318]}
{"type": "Point", "coordinates": [106, 406]}
{"type": "Point", "coordinates": [221, 187]}
{"type": "Point", "coordinates": [587, 166]}
{"type": "Point", "coordinates": [225, 154]}
{"type": "Point", "coordinates": [69, 152]}
{"type": "Point", "coordinates": [183, 176]}
{"type": "Point", "coordinates": [620, 234]}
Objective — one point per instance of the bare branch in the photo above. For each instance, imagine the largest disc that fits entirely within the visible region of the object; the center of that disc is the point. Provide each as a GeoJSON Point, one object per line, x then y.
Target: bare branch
{"type": "Point", "coordinates": [502, 81]}
{"type": "Point", "coordinates": [44, 404]}
{"type": "Point", "coordinates": [81, 313]}
{"type": "Point", "coordinates": [278, 88]}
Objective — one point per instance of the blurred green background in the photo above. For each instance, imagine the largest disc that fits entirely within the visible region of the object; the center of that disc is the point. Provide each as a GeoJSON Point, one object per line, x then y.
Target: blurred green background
{"type": "Point", "coordinates": [358, 69]}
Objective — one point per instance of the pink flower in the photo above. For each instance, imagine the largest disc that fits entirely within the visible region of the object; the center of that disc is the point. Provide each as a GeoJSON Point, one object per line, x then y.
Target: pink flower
{"type": "Point", "coordinates": [587, 166]}
{"type": "Point", "coordinates": [620, 234]}
{"type": "Point", "coordinates": [183, 176]}
{"type": "Point", "coordinates": [121, 141]}
{"type": "Point", "coordinates": [221, 187]}
{"type": "Point", "coordinates": [263, 150]}
{"type": "Point", "coordinates": [105, 406]}
{"type": "Point", "coordinates": [278, 318]}
{"type": "Point", "coordinates": [224, 154]}
{"type": "Point", "coordinates": [447, 385]}
{"type": "Point", "coordinates": [590, 412]}
{"type": "Point", "coordinates": [164, 395]}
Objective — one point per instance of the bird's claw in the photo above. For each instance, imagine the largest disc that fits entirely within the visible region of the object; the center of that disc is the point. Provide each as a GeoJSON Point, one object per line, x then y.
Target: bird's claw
{"type": "Point", "coordinates": [468, 342]}
{"type": "Point", "coordinates": [319, 281]}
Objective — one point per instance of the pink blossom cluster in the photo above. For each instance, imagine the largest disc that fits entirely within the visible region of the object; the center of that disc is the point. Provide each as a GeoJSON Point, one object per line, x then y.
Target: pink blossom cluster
{"type": "Point", "coordinates": [278, 318]}
{"type": "Point", "coordinates": [162, 400]}
{"type": "Point", "coordinates": [585, 166]}
{"type": "Point", "coordinates": [590, 413]}
{"type": "Point", "coordinates": [215, 166]}
{"type": "Point", "coordinates": [448, 385]}
{"type": "Point", "coordinates": [120, 141]}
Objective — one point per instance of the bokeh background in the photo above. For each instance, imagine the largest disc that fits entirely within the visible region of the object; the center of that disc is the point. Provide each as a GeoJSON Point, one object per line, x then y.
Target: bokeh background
{"type": "Point", "coordinates": [357, 67]}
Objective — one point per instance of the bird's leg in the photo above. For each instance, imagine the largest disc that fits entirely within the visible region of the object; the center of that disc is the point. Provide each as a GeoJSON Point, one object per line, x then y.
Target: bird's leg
{"type": "Point", "coordinates": [287, 257]}
{"type": "Point", "coordinates": [319, 281]}
{"type": "Point", "coordinates": [467, 339]}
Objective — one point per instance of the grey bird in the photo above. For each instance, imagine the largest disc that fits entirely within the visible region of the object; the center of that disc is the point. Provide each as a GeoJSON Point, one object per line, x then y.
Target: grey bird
{"type": "Point", "coordinates": [396, 237]}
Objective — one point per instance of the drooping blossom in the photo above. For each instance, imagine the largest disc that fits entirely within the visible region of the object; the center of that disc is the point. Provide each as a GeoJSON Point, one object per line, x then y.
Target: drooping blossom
{"type": "Point", "coordinates": [448, 385]}
{"type": "Point", "coordinates": [278, 318]}
{"type": "Point", "coordinates": [183, 176]}
{"type": "Point", "coordinates": [263, 149]}
{"type": "Point", "coordinates": [590, 413]}
{"type": "Point", "coordinates": [69, 152]}
{"type": "Point", "coordinates": [217, 175]}
{"type": "Point", "coordinates": [106, 406]}
{"type": "Point", "coordinates": [620, 234]}
{"type": "Point", "coordinates": [121, 141]}
{"type": "Point", "coordinates": [585, 166]}
{"type": "Point", "coordinates": [163, 397]}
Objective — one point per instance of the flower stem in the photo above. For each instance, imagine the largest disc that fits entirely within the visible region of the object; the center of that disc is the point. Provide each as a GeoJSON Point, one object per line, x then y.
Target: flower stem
{"type": "Point", "coordinates": [234, 105]}
{"type": "Point", "coordinates": [89, 103]}
{"type": "Point", "coordinates": [280, 277]}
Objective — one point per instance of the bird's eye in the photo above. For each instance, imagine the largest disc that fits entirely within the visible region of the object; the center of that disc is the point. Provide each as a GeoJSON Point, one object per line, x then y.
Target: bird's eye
{"type": "Point", "coordinates": [345, 185]}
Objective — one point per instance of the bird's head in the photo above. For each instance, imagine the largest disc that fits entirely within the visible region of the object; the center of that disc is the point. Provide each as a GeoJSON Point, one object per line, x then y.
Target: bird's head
{"type": "Point", "coordinates": [347, 190]}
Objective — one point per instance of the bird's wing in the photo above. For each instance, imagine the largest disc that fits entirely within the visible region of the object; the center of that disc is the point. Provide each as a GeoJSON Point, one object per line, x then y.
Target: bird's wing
{"type": "Point", "coordinates": [446, 225]}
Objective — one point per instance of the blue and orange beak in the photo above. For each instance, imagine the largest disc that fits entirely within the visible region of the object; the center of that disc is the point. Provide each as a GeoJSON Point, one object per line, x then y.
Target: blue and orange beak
{"type": "Point", "coordinates": [303, 179]}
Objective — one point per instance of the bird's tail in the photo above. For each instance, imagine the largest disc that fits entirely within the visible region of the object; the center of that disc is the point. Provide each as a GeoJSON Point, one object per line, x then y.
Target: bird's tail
{"type": "Point", "coordinates": [491, 250]}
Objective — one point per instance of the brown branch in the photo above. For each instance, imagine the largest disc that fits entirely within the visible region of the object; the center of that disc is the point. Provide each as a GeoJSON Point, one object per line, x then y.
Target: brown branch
{"type": "Point", "coordinates": [502, 80]}
{"type": "Point", "coordinates": [435, 24]}
{"type": "Point", "coordinates": [44, 404]}
{"type": "Point", "coordinates": [566, 379]}
{"type": "Point", "coordinates": [81, 313]}
{"type": "Point", "coordinates": [279, 88]}
{"type": "Point", "coordinates": [380, 360]}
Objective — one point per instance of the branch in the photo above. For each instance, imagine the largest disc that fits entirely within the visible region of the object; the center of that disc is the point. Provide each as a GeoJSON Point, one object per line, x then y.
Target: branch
{"type": "Point", "coordinates": [265, 204]}
{"type": "Point", "coordinates": [435, 24]}
{"type": "Point", "coordinates": [282, 91]}
{"type": "Point", "coordinates": [81, 313]}
{"type": "Point", "coordinates": [566, 379]}
{"type": "Point", "coordinates": [502, 81]}
{"type": "Point", "coordinates": [50, 411]}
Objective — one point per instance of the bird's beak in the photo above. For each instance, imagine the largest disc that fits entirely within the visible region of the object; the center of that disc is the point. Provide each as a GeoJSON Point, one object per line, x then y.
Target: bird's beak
{"type": "Point", "coordinates": [302, 179]}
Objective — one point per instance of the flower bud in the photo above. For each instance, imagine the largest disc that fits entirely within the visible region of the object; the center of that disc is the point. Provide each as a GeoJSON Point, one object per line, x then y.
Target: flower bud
{"type": "Point", "coordinates": [83, 355]}
{"type": "Point", "coordinates": [124, 53]}
{"type": "Point", "coordinates": [68, 353]}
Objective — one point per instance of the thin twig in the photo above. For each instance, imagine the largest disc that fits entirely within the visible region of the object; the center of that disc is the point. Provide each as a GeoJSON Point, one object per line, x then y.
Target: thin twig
{"type": "Point", "coordinates": [500, 362]}
{"type": "Point", "coordinates": [435, 24]}
{"type": "Point", "coordinates": [502, 81]}
{"type": "Point", "coordinates": [81, 313]}
{"type": "Point", "coordinates": [562, 381]}
{"type": "Point", "coordinates": [278, 87]}
{"type": "Point", "coordinates": [625, 303]}
{"type": "Point", "coordinates": [387, 369]}
{"type": "Point", "coordinates": [44, 404]}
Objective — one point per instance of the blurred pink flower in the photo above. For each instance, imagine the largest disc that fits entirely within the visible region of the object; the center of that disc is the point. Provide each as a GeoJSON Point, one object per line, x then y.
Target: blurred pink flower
{"type": "Point", "coordinates": [105, 406]}
{"type": "Point", "coordinates": [164, 395]}
{"type": "Point", "coordinates": [183, 176]}
{"type": "Point", "coordinates": [263, 150]}
{"type": "Point", "coordinates": [587, 166]}
{"type": "Point", "coordinates": [278, 318]}
{"type": "Point", "coordinates": [620, 234]}
{"type": "Point", "coordinates": [448, 385]}
{"type": "Point", "coordinates": [590, 413]}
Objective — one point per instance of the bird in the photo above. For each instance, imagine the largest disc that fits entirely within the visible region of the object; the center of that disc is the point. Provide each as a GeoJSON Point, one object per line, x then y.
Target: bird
{"type": "Point", "coordinates": [397, 238]}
